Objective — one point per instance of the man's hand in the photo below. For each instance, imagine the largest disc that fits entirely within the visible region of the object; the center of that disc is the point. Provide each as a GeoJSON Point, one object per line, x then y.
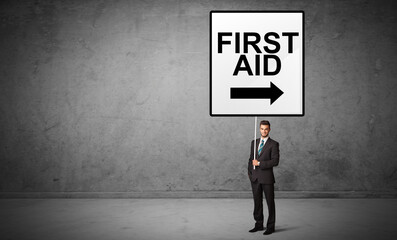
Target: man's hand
{"type": "Point", "coordinates": [255, 162]}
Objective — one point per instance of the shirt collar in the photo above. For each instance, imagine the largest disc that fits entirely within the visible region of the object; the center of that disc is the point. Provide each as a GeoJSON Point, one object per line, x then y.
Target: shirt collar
{"type": "Point", "coordinates": [265, 139]}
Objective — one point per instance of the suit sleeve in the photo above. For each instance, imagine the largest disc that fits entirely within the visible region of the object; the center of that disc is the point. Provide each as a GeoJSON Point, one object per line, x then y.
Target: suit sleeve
{"type": "Point", "coordinates": [274, 158]}
{"type": "Point", "coordinates": [250, 160]}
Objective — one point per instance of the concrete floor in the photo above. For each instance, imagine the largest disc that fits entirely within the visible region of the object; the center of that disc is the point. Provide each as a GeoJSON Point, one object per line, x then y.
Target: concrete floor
{"type": "Point", "coordinates": [194, 219]}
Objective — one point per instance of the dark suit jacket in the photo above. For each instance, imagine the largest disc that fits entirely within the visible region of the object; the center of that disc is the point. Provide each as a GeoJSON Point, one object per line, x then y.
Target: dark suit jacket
{"type": "Point", "coordinates": [268, 159]}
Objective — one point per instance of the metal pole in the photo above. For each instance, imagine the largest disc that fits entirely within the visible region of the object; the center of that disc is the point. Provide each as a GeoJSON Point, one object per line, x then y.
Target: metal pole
{"type": "Point", "coordinates": [256, 119]}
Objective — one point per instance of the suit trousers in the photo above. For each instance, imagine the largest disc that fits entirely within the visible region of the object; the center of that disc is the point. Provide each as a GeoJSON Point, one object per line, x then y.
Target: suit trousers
{"type": "Point", "coordinates": [257, 191]}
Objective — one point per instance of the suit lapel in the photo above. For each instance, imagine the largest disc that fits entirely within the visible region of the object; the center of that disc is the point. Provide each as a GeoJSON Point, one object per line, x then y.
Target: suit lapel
{"type": "Point", "coordinates": [258, 141]}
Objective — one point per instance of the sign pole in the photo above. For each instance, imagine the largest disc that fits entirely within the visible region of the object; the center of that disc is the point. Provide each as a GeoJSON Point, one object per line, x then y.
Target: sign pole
{"type": "Point", "coordinates": [256, 119]}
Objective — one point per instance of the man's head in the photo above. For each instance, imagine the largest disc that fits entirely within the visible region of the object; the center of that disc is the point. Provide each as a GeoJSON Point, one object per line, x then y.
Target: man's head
{"type": "Point", "coordinates": [264, 127]}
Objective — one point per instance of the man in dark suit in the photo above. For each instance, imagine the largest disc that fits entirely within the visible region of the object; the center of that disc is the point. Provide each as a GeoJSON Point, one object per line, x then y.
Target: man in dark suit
{"type": "Point", "coordinates": [260, 173]}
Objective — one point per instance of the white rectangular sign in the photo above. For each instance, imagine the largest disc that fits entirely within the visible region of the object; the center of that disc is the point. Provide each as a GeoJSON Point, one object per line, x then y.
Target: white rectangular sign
{"type": "Point", "coordinates": [256, 63]}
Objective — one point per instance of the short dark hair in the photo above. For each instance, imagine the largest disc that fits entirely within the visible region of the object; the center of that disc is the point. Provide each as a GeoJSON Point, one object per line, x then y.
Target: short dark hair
{"type": "Point", "coordinates": [264, 122]}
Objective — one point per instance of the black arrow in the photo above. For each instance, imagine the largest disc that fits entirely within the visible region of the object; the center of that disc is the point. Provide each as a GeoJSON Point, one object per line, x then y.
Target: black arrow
{"type": "Point", "coordinates": [256, 93]}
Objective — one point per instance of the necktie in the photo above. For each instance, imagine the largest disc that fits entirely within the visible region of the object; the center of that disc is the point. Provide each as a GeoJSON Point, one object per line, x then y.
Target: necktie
{"type": "Point", "coordinates": [261, 146]}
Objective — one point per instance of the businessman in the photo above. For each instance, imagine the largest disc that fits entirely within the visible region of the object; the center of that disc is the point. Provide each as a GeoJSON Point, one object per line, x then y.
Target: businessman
{"type": "Point", "coordinates": [262, 177]}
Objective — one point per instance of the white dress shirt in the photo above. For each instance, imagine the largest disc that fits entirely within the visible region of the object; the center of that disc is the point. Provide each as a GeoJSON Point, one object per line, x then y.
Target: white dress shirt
{"type": "Point", "coordinates": [264, 142]}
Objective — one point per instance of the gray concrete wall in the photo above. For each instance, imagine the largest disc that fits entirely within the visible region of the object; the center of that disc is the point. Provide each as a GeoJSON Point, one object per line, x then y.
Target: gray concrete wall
{"type": "Point", "coordinates": [102, 96]}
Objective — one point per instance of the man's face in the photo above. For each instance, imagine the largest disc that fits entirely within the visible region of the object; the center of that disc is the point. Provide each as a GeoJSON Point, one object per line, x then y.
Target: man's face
{"type": "Point", "coordinates": [265, 129]}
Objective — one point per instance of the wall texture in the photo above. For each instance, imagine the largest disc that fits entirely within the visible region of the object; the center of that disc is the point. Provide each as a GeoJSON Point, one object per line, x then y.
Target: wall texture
{"type": "Point", "coordinates": [104, 96]}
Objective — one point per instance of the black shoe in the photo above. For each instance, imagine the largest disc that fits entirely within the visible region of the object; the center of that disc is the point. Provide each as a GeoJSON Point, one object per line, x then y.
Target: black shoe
{"type": "Point", "coordinates": [255, 229]}
{"type": "Point", "coordinates": [268, 231]}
